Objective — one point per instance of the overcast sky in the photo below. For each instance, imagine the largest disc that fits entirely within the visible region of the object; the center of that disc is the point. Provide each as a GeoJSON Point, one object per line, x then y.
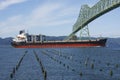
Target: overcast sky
{"type": "Point", "coordinates": [52, 18]}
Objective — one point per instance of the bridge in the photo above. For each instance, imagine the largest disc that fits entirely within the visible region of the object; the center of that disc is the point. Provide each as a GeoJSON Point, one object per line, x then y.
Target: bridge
{"type": "Point", "coordinates": [88, 14]}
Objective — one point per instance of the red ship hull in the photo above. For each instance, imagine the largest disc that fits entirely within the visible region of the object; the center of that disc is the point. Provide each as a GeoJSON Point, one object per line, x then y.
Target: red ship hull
{"type": "Point", "coordinates": [88, 43]}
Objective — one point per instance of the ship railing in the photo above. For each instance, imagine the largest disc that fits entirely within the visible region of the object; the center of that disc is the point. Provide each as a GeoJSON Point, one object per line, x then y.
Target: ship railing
{"type": "Point", "coordinates": [61, 41]}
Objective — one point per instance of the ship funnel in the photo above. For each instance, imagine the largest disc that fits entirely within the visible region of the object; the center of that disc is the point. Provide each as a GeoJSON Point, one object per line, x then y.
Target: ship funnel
{"type": "Point", "coordinates": [22, 31]}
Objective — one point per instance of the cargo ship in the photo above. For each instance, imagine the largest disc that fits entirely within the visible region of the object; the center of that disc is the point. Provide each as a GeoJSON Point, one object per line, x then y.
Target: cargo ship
{"type": "Point", "coordinates": [24, 40]}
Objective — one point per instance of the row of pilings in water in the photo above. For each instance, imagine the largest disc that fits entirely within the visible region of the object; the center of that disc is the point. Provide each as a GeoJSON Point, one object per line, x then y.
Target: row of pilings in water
{"type": "Point", "coordinates": [61, 54]}
{"type": "Point", "coordinates": [44, 72]}
{"type": "Point", "coordinates": [15, 69]}
{"type": "Point", "coordinates": [86, 62]}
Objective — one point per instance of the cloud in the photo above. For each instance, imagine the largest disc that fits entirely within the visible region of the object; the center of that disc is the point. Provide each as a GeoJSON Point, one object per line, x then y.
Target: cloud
{"type": "Point", "coordinates": [51, 14]}
{"type": "Point", "coordinates": [6, 3]}
{"type": "Point", "coordinates": [42, 14]}
{"type": "Point", "coordinates": [47, 15]}
{"type": "Point", "coordinates": [11, 24]}
{"type": "Point", "coordinates": [45, 9]}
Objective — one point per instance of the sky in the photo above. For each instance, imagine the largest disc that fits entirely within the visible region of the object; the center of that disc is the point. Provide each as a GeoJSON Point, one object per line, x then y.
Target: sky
{"type": "Point", "coordinates": [52, 18]}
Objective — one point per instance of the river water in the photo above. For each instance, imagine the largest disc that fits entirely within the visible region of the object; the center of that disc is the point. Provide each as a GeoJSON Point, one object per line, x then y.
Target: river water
{"type": "Point", "coordinates": [91, 63]}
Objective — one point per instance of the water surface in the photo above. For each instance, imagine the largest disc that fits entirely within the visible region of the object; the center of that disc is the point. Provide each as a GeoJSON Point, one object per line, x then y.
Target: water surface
{"type": "Point", "coordinates": [92, 63]}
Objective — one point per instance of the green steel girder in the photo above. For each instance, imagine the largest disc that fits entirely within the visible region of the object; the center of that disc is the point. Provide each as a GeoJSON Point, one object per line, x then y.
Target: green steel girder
{"type": "Point", "coordinates": [88, 14]}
